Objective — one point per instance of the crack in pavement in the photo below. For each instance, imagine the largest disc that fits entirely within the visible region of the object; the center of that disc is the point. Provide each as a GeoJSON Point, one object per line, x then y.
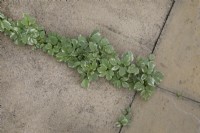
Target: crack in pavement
{"type": "Point", "coordinates": [130, 105]}
{"type": "Point", "coordinates": [155, 44]}
{"type": "Point", "coordinates": [182, 96]}
{"type": "Point", "coordinates": [163, 26]}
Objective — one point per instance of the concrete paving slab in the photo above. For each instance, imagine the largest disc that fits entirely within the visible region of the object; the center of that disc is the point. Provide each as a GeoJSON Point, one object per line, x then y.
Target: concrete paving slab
{"type": "Point", "coordinates": [130, 25]}
{"type": "Point", "coordinates": [178, 53]}
{"type": "Point", "coordinates": [40, 95]}
{"type": "Point", "coordinates": [164, 113]}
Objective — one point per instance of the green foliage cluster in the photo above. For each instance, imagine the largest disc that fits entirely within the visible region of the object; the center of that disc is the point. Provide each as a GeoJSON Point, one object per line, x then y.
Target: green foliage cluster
{"type": "Point", "coordinates": [125, 119]}
{"type": "Point", "coordinates": [92, 56]}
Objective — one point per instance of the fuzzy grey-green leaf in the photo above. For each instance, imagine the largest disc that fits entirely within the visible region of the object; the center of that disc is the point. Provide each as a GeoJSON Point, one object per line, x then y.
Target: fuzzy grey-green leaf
{"type": "Point", "coordinates": [6, 24]}
{"type": "Point", "coordinates": [139, 86]}
{"type": "Point", "coordinates": [85, 83]}
{"type": "Point", "coordinates": [122, 71]}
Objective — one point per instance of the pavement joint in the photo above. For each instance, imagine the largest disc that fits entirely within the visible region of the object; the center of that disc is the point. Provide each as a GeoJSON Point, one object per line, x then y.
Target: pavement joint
{"type": "Point", "coordinates": [155, 44]}
{"type": "Point", "coordinates": [130, 105]}
{"type": "Point", "coordinates": [182, 96]}
{"type": "Point", "coordinates": [162, 28]}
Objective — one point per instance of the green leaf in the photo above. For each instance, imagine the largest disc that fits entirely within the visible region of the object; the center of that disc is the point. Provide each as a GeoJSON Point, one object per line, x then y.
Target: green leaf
{"type": "Point", "coordinates": [80, 70]}
{"type": "Point", "coordinates": [103, 74]}
{"type": "Point", "coordinates": [117, 83]}
{"type": "Point", "coordinates": [125, 84]}
{"type": "Point", "coordinates": [52, 40]}
{"type": "Point", "coordinates": [144, 69]}
{"type": "Point", "coordinates": [93, 76]}
{"type": "Point", "coordinates": [113, 61]}
{"type": "Point", "coordinates": [124, 79]}
{"type": "Point", "coordinates": [6, 25]}
{"type": "Point", "coordinates": [133, 69]}
{"type": "Point", "coordinates": [31, 41]}
{"type": "Point", "coordinates": [109, 49]}
{"type": "Point", "coordinates": [93, 46]}
{"type": "Point", "coordinates": [151, 67]}
{"type": "Point", "coordinates": [1, 26]}
{"type": "Point", "coordinates": [17, 30]}
{"type": "Point", "coordinates": [158, 76]}
{"type": "Point", "coordinates": [150, 81]}
{"type": "Point", "coordinates": [2, 16]}
{"type": "Point", "coordinates": [50, 52]}
{"type": "Point", "coordinates": [109, 75]}
{"type": "Point", "coordinates": [141, 62]}
{"type": "Point", "coordinates": [102, 69]}
{"type": "Point", "coordinates": [94, 65]}
{"type": "Point", "coordinates": [105, 62]}
{"type": "Point", "coordinates": [47, 47]}
{"type": "Point", "coordinates": [151, 57]}
{"type": "Point", "coordinates": [104, 42]}
{"type": "Point", "coordinates": [127, 58]}
{"type": "Point", "coordinates": [24, 39]}
{"type": "Point", "coordinates": [42, 34]}
{"type": "Point", "coordinates": [85, 83]}
{"type": "Point", "coordinates": [25, 20]}
{"type": "Point", "coordinates": [139, 86]}
{"type": "Point", "coordinates": [95, 37]}
{"type": "Point", "coordinates": [85, 65]}
{"type": "Point", "coordinates": [115, 68]}
{"type": "Point", "coordinates": [13, 36]}
{"type": "Point", "coordinates": [73, 64]}
{"type": "Point", "coordinates": [64, 41]}
{"type": "Point", "coordinates": [82, 39]}
{"type": "Point", "coordinates": [124, 121]}
{"type": "Point", "coordinates": [122, 71]}
{"type": "Point", "coordinates": [118, 124]}
{"type": "Point", "coordinates": [74, 43]}
{"type": "Point", "coordinates": [147, 92]}
{"type": "Point", "coordinates": [31, 20]}
{"type": "Point", "coordinates": [61, 54]}
{"type": "Point", "coordinates": [143, 77]}
{"type": "Point", "coordinates": [56, 49]}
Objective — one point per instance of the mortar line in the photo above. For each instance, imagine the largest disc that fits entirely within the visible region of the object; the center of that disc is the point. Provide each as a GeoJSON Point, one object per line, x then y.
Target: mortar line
{"type": "Point", "coordinates": [174, 94]}
{"type": "Point", "coordinates": [165, 20]}
{"type": "Point", "coordinates": [163, 26]}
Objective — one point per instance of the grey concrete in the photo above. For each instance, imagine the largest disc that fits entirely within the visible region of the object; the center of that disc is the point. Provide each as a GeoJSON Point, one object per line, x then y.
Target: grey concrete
{"type": "Point", "coordinates": [40, 95]}
{"type": "Point", "coordinates": [178, 52]}
{"type": "Point", "coordinates": [178, 57]}
{"type": "Point", "coordinates": [164, 113]}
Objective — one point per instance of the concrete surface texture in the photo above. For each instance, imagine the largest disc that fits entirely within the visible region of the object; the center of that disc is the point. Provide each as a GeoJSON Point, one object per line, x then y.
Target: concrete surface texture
{"type": "Point", "coordinates": [40, 95]}
{"type": "Point", "coordinates": [178, 53]}
{"type": "Point", "coordinates": [175, 108]}
{"type": "Point", "coordinates": [164, 113]}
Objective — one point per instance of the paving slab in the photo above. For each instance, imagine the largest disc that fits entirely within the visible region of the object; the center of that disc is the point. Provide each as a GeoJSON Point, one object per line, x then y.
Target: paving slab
{"type": "Point", "coordinates": [178, 52]}
{"type": "Point", "coordinates": [40, 95]}
{"type": "Point", "coordinates": [127, 24]}
{"type": "Point", "coordinates": [164, 113]}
